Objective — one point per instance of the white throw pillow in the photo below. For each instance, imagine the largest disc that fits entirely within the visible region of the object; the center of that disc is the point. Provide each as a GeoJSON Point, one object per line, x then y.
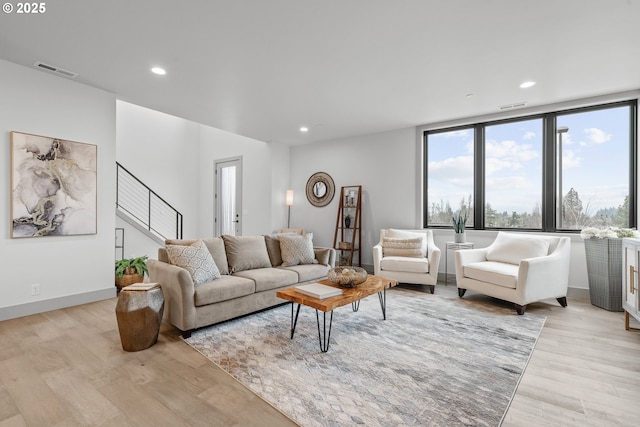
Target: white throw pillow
{"type": "Point", "coordinates": [512, 248]}
{"type": "Point", "coordinates": [196, 259]}
{"type": "Point", "coordinates": [296, 249]}
{"type": "Point", "coordinates": [404, 234]}
{"type": "Point", "coordinates": [402, 247]}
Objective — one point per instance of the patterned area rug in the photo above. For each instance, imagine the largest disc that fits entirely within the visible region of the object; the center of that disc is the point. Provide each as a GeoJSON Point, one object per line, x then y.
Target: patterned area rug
{"type": "Point", "coordinates": [435, 361]}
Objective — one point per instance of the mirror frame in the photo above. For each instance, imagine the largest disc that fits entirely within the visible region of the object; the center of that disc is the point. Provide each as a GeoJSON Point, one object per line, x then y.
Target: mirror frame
{"type": "Point", "coordinates": [325, 179]}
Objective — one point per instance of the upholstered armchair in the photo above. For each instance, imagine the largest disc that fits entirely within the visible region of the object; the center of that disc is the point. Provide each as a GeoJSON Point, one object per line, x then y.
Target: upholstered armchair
{"type": "Point", "coordinates": [408, 256]}
{"type": "Point", "coordinates": [519, 268]}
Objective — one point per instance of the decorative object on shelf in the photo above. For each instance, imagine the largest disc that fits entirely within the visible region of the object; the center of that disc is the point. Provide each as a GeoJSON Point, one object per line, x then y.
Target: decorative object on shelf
{"type": "Point", "coordinates": [53, 186]}
{"type": "Point", "coordinates": [459, 221]}
{"type": "Point", "coordinates": [603, 249]}
{"type": "Point", "coordinates": [320, 189]}
{"type": "Point", "coordinates": [289, 202]}
{"type": "Point", "coordinates": [130, 271]}
{"type": "Point", "coordinates": [347, 220]}
{"type": "Point", "coordinates": [349, 277]}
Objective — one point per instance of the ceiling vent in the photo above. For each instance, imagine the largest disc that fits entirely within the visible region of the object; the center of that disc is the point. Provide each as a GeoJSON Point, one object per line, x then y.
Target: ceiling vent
{"type": "Point", "coordinates": [511, 106]}
{"type": "Point", "coordinates": [55, 70]}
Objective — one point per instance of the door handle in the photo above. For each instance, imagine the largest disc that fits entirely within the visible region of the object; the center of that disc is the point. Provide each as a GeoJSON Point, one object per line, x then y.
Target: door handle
{"type": "Point", "coordinates": [632, 272]}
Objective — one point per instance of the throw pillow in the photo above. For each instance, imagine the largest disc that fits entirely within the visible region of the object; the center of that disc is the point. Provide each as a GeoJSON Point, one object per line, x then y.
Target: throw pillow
{"type": "Point", "coordinates": [323, 256]}
{"type": "Point", "coordinates": [215, 246]}
{"type": "Point", "coordinates": [196, 259]}
{"type": "Point", "coordinates": [297, 250]}
{"type": "Point", "coordinates": [404, 234]}
{"type": "Point", "coordinates": [512, 248]}
{"type": "Point", "coordinates": [402, 247]}
{"type": "Point", "coordinates": [246, 252]}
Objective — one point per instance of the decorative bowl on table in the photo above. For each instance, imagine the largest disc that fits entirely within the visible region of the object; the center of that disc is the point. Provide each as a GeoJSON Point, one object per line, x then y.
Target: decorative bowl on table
{"type": "Point", "coordinates": [347, 276]}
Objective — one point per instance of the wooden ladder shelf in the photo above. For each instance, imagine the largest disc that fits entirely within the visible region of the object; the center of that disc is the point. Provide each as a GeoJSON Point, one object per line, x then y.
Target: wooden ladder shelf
{"type": "Point", "coordinates": [347, 239]}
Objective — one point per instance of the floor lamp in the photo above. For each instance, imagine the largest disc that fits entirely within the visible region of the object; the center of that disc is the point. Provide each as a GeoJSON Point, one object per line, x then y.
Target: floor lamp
{"type": "Point", "coordinates": [289, 202]}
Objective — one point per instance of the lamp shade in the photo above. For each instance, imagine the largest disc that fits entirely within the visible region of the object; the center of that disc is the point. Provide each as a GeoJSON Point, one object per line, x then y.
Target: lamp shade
{"type": "Point", "coordinates": [289, 198]}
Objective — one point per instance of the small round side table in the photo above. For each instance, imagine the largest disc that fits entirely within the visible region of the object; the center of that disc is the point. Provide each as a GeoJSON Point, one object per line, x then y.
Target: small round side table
{"type": "Point", "coordinates": [139, 315]}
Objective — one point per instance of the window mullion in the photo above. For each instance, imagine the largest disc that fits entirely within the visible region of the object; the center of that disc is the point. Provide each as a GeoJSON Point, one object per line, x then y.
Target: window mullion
{"type": "Point", "coordinates": [478, 174]}
{"type": "Point", "coordinates": [549, 175]}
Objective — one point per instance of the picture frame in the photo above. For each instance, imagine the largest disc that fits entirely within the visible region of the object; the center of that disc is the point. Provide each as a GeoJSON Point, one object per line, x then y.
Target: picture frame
{"type": "Point", "coordinates": [53, 186]}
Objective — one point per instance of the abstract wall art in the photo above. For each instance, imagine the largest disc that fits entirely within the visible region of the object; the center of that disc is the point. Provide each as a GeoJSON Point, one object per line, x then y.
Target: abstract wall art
{"type": "Point", "coordinates": [53, 186]}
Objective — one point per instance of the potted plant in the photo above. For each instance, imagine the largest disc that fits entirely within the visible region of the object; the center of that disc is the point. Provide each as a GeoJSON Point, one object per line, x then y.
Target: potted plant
{"type": "Point", "coordinates": [130, 270]}
{"type": "Point", "coordinates": [459, 221]}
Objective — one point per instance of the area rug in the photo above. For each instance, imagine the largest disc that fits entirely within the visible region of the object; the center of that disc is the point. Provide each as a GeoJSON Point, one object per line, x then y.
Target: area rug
{"type": "Point", "coordinates": [435, 361]}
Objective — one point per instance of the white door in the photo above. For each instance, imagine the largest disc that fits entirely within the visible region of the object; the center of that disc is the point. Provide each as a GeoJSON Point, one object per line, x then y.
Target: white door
{"type": "Point", "coordinates": [228, 197]}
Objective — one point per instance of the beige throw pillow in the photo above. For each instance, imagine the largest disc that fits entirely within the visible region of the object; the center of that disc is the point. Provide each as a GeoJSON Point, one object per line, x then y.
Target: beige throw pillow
{"type": "Point", "coordinates": [297, 250]}
{"type": "Point", "coordinates": [402, 247]}
{"type": "Point", "coordinates": [196, 259]}
{"type": "Point", "coordinates": [404, 234]}
{"type": "Point", "coordinates": [246, 252]}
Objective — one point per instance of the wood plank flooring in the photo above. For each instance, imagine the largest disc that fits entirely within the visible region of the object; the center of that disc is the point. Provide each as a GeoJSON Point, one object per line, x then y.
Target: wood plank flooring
{"type": "Point", "coordinates": [67, 368]}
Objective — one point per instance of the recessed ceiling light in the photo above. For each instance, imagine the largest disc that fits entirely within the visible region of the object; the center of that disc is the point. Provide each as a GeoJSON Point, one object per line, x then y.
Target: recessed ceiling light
{"type": "Point", "coordinates": [304, 129]}
{"type": "Point", "coordinates": [159, 71]}
{"type": "Point", "coordinates": [527, 84]}
{"type": "Point", "coordinates": [470, 95]}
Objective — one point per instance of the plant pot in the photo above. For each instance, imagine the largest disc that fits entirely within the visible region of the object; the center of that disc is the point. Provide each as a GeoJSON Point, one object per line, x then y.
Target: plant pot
{"type": "Point", "coordinates": [459, 237]}
{"type": "Point", "coordinates": [129, 279]}
{"type": "Point", "coordinates": [604, 270]}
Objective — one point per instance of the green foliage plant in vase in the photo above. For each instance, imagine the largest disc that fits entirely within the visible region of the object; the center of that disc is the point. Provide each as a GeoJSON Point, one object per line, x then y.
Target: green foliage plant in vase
{"type": "Point", "coordinates": [130, 271]}
{"type": "Point", "coordinates": [459, 221]}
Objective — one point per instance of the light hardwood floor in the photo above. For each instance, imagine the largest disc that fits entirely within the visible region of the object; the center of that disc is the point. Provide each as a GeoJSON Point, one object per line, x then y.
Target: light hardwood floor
{"type": "Point", "coordinates": [66, 368]}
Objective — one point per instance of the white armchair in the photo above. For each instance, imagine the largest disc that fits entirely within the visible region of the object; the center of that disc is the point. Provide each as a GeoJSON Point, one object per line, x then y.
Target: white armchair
{"type": "Point", "coordinates": [519, 268]}
{"type": "Point", "coordinates": [408, 256]}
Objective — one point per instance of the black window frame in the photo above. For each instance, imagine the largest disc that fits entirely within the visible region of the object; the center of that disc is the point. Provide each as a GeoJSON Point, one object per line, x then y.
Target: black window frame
{"type": "Point", "coordinates": [549, 166]}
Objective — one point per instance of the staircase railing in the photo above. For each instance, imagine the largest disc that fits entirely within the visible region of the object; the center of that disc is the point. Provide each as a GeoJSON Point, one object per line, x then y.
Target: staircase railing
{"type": "Point", "coordinates": [145, 206]}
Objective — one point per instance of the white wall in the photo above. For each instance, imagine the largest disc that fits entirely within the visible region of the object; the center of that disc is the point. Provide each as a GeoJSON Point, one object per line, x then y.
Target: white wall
{"type": "Point", "coordinates": [175, 157]}
{"type": "Point", "coordinates": [69, 269]}
{"type": "Point", "coordinates": [384, 164]}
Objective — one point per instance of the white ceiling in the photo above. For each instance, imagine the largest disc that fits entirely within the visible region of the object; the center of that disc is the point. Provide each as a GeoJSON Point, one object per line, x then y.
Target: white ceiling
{"type": "Point", "coordinates": [263, 68]}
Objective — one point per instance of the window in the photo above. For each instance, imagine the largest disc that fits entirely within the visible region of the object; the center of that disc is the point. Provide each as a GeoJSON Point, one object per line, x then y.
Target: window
{"type": "Point", "coordinates": [450, 175]}
{"type": "Point", "coordinates": [593, 176]}
{"type": "Point", "coordinates": [513, 175]}
{"type": "Point", "coordinates": [555, 171]}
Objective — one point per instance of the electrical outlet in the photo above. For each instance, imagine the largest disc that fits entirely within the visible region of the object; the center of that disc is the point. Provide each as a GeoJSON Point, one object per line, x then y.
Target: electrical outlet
{"type": "Point", "coordinates": [35, 289]}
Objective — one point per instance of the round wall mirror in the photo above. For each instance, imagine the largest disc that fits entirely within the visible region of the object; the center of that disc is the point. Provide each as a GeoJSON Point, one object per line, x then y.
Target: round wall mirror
{"type": "Point", "coordinates": [320, 189]}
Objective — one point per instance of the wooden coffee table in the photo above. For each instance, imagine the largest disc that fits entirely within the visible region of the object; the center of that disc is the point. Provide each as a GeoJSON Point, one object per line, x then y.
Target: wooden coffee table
{"type": "Point", "coordinates": [373, 285]}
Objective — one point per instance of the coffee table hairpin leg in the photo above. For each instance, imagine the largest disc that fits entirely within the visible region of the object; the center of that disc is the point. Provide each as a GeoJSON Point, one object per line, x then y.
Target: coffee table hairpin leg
{"type": "Point", "coordinates": [382, 296]}
{"type": "Point", "coordinates": [325, 336]}
{"type": "Point", "coordinates": [294, 322]}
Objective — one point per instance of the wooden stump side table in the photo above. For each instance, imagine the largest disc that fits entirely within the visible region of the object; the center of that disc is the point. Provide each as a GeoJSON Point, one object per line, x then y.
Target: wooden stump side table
{"type": "Point", "coordinates": [139, 315]}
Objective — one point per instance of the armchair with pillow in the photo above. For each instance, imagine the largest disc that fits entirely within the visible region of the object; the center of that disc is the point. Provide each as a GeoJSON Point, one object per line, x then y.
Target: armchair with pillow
{"type": "Point", "coordinates": [519, 268]}
{"type": "Point", "coordinates": [408, 256]}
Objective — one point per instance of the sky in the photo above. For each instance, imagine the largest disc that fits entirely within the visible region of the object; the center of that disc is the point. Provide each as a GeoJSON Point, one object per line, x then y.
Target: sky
{"type": "Point", "coordinates": [595, 162]}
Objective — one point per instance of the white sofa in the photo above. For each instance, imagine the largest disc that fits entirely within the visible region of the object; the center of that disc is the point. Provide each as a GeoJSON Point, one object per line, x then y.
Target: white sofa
{"type": "Point", "coordinates": [397, 257]}
{"type": "Point", "coordinates": [516, 267]}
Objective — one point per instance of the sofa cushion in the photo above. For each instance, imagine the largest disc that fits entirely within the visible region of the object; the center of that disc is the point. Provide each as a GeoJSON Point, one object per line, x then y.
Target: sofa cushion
{"type": "Point", "coordinates": [246, 252]}
{"type": "Point", "coordinates": [404, 234]}
{"type": "Point", "coordinates": [223, 289]}
{"type": "Point", "coordinates": [309, 272]}
{"type": "Point", "coordinates": [297, 249]}
{"type": "Point", "coordinates": [196, 259]}
{"type": "Point", "coordinates": [392, 246]}
{"type": "Point", "coordinates": [498, 273]}
{"type": "Point", "coordinates": [215, 246]}
{"type": "Point", "coordinates": [273, 246]}
{"type": "Point", "coordinates": [405, 264]}
{"type": "Point", "coordinates": [323, 255]}
{"type": "Point", "coordinates": [269, 278]}
{"type": "Point", "coordinates": [512, 248]}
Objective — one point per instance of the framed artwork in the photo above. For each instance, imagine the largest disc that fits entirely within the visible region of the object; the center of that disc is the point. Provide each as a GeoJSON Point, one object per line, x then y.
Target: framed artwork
{"type": "Point", "coordinates": [53, 186]}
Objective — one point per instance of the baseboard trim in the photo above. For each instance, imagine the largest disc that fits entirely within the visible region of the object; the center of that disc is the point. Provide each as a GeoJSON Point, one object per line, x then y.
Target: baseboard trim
{"type": "Point", "coordinates": [42, 306]}
{"type": "Point", "coordinates": [578, 293]}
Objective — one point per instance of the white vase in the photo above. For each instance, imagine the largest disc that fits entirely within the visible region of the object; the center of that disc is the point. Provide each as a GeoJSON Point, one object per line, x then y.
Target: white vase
{"type": "Point", "coordinates": [459, 237]}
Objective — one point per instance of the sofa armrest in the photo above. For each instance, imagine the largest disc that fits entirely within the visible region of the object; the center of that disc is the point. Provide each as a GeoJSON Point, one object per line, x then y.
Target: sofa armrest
{"type": "Point", "coordinates": [546, 276]}
{"type": "Point", "coordinates": [178, 289]}
{"type": "Point", "coordinates": [332, 254]}
{"type": "Point", "coordinates": [377, 257]}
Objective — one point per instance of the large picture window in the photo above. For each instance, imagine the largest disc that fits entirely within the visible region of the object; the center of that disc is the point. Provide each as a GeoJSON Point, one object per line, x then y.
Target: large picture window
{"type": "Point", "coordinates": [559, 171]}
